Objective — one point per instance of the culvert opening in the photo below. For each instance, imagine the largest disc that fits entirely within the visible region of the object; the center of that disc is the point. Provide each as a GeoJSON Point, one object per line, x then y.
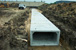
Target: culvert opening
{"type": "Point", "coordinates": [45, 38]}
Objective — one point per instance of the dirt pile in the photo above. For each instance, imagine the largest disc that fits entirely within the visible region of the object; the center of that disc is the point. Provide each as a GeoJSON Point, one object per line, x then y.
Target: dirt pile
{"type": "Point", "coordinates": [13, 35]}
{"type": "Point", "coordinates": [63, 15]}
{"type": "Point", "coordinates": [14, 5]}
{"type": "Point", "coordinates": [43, 7]}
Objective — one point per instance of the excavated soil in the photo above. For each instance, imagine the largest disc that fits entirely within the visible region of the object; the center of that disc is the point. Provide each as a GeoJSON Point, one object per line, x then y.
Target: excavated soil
{"type": "Point", "coordinates": [8, 13]}
{"type": "Point", "coordinates": [13, 35]}
{"type": "Point", "coordinates": [63, 15]}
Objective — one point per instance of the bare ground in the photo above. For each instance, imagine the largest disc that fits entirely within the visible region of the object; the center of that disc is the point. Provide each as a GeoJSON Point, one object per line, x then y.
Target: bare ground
{"type": "Point", "coordinates": [15, 31]}
{"type": "Point", "coordinates": [6, 15]}
{"type": "Point", "coordinates": [63, 15]}
{"type": "Point", "coordinates": [12, 31]}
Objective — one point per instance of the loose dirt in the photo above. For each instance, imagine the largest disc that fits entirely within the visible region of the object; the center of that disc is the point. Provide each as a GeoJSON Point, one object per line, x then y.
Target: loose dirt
{"type": "Point", "coordinates": [63, 15]}
{"type": "Point", "coordinates": [13, 35]}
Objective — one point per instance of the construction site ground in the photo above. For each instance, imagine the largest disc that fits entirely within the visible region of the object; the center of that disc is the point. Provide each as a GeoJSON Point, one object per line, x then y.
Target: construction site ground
{"type": "Point", "coordinates": [12, 29]}
{"type": "Point", "coordinates": [15, 31]}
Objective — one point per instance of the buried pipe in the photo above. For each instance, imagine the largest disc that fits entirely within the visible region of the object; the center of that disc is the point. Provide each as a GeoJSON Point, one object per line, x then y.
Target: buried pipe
{"type": "Point", "coordinates": [42, 31]}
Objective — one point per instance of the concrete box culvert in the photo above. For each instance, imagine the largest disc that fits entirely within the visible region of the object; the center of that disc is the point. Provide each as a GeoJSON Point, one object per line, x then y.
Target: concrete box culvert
{"type": "Point", "coordinates": [44, 38]}
{"type": "Point", "coordinates": [42, 31]}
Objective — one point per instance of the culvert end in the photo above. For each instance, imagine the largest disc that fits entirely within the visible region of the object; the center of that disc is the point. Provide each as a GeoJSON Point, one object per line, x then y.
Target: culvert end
{"type": "Point", "coordinates": [44, 39]}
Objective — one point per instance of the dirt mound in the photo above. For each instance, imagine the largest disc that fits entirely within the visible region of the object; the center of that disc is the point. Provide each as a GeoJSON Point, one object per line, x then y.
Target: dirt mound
{"type": "Point", "coordinates": [13, 35]}
{"type": "Point", "coordinates": [63, 15]}
{"type": "Point", "coordinates": [14, 5]}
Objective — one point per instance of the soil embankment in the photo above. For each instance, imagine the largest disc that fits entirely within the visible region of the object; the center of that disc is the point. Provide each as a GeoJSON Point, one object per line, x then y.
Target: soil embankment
{"type": "Point", "coordinates": [63, 15]}
{"type": "Point", "coordinates": [13, 35]}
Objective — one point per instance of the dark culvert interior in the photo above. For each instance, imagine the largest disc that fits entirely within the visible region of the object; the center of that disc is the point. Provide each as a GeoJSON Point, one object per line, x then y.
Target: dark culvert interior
{"type": "Point", "coordinates": [45, 37]}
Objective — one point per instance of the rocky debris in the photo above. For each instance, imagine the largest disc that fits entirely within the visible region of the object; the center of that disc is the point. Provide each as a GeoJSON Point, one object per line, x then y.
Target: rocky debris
{"type": "Point", "coordinates": [63, 15]}
{"type": "Point", "coordinates": [13, 35]}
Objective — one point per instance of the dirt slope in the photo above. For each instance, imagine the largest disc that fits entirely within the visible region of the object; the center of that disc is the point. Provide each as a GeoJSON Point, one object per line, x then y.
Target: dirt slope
{"type": "Point", "coordinates": [63, 15]}
{"type": "Point", "coordinates": [13, 35]}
